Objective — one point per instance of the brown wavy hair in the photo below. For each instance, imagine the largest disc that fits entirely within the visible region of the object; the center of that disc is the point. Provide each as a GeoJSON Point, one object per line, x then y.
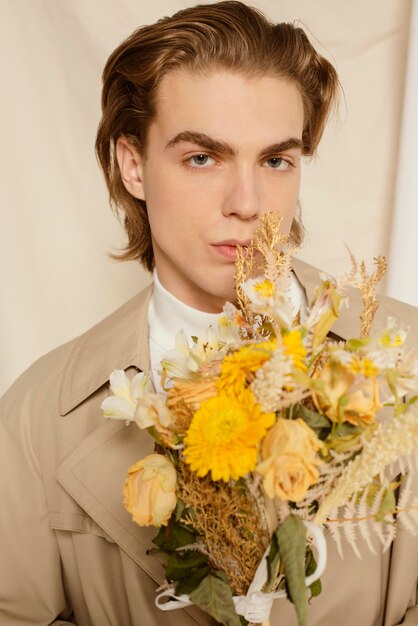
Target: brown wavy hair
{"type": "Point", "coordinates": [225, 35]}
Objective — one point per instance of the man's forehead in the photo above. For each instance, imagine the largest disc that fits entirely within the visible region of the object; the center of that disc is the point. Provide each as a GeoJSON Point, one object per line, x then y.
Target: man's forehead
{"type": "Point", "coordinates": [216, 104]}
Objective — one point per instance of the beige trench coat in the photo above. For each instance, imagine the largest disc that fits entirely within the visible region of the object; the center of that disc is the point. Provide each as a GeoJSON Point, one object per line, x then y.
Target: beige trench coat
{"type": "Point", "coordinates": [69, 552]}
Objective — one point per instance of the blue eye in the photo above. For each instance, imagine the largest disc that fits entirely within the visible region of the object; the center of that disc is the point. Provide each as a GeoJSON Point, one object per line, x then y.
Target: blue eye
{"type": "Point", "coordinates": [277, 163]}
{"type": "Point", "coordinates": [200, 160]}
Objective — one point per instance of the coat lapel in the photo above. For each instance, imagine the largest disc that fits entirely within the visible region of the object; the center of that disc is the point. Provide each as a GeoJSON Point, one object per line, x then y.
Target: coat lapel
{"type": "Point", "coordinates": [94, 474]}
{"type": "Point", "coordinates": [94, 471]}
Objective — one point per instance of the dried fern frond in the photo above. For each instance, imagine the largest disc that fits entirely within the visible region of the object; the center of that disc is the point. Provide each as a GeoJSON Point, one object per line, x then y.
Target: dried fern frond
{"type": "Point", "coordinates": [392, 439]}
{"type": "Point", "coordinates": [363, 524]}
{"type": "Point", "coordinates": [359, 519]}
{"type": "Point", "coordinates": [407, 510]}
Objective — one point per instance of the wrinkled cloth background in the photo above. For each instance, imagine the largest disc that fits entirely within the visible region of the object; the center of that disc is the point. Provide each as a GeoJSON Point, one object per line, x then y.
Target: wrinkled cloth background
{"type": "Point", "coordinates": [56, 226]}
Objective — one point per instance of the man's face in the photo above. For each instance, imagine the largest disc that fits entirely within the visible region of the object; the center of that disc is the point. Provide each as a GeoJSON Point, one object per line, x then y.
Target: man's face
{"type": "Point", "coordinates": [222, 150]}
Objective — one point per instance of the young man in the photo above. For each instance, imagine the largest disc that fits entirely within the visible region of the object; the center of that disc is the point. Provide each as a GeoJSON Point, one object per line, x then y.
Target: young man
{"type": "Point", "coordinates": [205, 118]}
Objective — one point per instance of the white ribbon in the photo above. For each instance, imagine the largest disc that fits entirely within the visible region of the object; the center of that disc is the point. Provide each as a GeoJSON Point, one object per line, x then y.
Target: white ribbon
{"type": "Point", "coordinates": [256, 606]}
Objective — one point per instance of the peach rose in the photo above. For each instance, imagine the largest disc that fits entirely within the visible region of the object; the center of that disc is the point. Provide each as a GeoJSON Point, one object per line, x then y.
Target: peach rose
{"type": "Point", "coordinates": [362, 395]}
{"type": "Point", "coordinates": [150, 490]}
{"type": "Point", "coordinates": [290, 461]}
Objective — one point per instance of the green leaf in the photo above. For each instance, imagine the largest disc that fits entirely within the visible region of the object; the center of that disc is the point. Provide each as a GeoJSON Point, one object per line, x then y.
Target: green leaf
{"type": "Point", "coordinates": [291, 536]}
{"type": "Point", "coordinates": [180, 508]}
{"type": "Point", "coordinates": [347, 430]}
{"type": "Point", "coordinates": [314, 420]}
{"type": "Point", "coordinates": [214, 595]}
{"type": "Point", "coordinates": [174, 536]}
{"type": "Point", "coordinates": [387, 505]}
{"type": "Point", "coordinates": [356, 344]}
{"type": "Point", "coordinates": [273, 562]}
{"type": "Point", "coordinates": [316, 586]}
{"type": "Point", "coordinates": [193, 579]}
{"type": "Point", "coordinates": [181, 564]}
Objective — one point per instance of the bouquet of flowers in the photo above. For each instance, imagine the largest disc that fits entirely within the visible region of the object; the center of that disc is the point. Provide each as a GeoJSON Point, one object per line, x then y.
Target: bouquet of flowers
{"type": "Point", "coordinates": [268, 435]}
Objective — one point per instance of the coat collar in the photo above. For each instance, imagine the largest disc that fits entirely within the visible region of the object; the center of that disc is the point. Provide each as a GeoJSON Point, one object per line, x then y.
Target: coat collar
{"type": "Point", "coordinates": [117, 342]}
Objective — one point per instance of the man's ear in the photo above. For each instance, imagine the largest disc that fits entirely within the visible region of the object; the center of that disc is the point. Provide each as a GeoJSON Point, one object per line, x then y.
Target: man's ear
{"type": "Point", "coordinates": [130, 166]}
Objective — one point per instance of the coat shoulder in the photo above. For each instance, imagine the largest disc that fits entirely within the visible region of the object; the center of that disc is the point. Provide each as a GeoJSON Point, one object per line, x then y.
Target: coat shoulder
{"type": "Point", "coordinates": [40, 387]}
{"type": "Point", "coordinates": [348, 324]}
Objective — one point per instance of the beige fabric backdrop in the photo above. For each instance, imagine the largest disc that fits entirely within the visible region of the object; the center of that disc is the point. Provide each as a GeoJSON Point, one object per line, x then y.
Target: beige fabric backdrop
{"type": "Point", "coordinates": [56, 227]}
{"type": "Point", "coordinates": [403, 250]}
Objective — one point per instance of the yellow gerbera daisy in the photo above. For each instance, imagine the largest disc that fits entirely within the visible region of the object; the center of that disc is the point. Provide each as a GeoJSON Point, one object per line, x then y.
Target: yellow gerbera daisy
{"type": "Point", "coordinates": [224, 436]}
{"type": "Point", "coordinates": [237, 369]}
{"type": "Point", "coordinates": [293, 347]}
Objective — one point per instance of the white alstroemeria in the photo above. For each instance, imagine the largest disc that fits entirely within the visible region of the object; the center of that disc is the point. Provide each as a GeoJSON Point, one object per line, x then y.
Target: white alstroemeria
{"type": "Point", "coordinates": [229, 325]}
{"type": "Point", "coordinates": [405, 375]}
{"type": "Point", "coordinates": [387, 348]}
{"type": "Point", "coordinates": [271, 299]}
{"type": "Point", "coordinates": [324, 309]}
{"type": "Point", "coordinates": [175, 361]}
{"type": "Point", "coordinates": [367, 364]}
{"type": "Point", "coordinates": [261, 293]}
{"type": "Point", "coordinates": [393, 336]}
{"type": "Point", "coordinates": [187, 358]}
{"type": "Point", "coordinates": [123, 403]}
{"type": "Point", "coordinates": [152, 409]}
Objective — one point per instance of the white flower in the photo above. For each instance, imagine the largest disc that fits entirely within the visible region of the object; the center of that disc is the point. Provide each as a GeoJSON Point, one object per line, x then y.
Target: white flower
{"type": "Point", "coordinates": [122, 405]}
{"type": "Point", "coordinates": [261, 292]}
{"type": "Point", "coordinates": [324, 310]}
{"type": "Point", "coordinates": [176, 361]}
{"type": "Point", "coordinates": [272, 299]}
{"type": "Point", "coordinates": [133, 402]}
{"type": "Point", "coordinates": [151, 410]}
{"type": "Point", "coordinates": [393, 336]}
{"type": "Point", "coordinates": [186, 360]}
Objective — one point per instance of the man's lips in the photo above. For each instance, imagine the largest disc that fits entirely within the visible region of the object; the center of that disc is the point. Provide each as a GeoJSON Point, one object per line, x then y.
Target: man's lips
{"type": "Point", "coordinates": [234, 242]}
{"type": "Point", "coordinates": [228, 248]}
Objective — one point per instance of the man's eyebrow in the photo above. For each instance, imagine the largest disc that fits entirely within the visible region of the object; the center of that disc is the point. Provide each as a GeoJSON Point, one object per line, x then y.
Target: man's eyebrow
{"type": "Point", "coordinates": [202, 140]}
{"type": "Point", "coordinates": [222, 147]}
{"type": "Point", "coordinates": [282, 146]}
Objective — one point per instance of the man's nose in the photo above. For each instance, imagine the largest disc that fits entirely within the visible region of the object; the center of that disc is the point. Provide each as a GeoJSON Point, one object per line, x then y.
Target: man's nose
{"type": "Point", "coordinates": [241, 195]}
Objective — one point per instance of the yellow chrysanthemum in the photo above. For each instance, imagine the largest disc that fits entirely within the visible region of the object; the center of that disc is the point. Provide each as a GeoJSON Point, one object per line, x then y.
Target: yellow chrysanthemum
{"type": "Point", "coordinates": [238, 369]}
{"type": "Point", "coordinates": [293, 347]}
{"type": "Point", "coordinates": [224, 436]}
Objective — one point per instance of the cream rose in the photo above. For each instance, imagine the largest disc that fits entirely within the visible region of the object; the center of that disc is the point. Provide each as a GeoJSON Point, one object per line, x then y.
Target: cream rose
{"type": "Point", "coordinates": [150, 491]}
{"type": "Point", "coordinates": [290, 461]}
{"type": "Point", "coordinates": [362, 395]}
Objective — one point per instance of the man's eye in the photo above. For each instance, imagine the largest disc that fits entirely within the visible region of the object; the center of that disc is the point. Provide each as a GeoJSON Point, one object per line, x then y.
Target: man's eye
{"type": "Point", "coordinates": [277, 163]}
{"type": "Point", "coordinates": [200, 160]}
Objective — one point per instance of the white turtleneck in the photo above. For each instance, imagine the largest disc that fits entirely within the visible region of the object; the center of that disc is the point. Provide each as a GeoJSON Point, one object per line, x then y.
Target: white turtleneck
{"type": "Point", "coordinates": [167, 315]}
